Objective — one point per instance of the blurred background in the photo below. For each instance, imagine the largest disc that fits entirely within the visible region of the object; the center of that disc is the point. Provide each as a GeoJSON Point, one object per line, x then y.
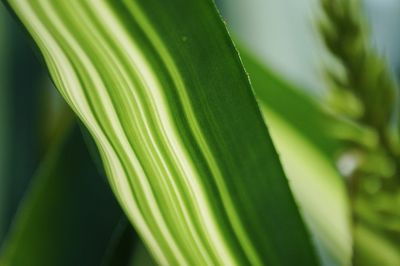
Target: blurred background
{"type": "Point", "coordinates": [34, 120]}
{"type": "Point", "coordinates": [283, 35]}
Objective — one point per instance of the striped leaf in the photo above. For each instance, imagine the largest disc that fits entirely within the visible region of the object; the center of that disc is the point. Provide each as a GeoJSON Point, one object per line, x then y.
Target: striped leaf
{"type": "Point", "coordinates": [162, 90]}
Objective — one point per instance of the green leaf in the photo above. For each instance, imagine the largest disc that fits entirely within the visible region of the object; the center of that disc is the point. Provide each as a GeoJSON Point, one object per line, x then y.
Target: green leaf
{"type": "Point", "coordinates": [161, 88]}
{"type": "Point", "coordinates": [300, 130]}
{"type": "Point", "coordinates": [121, 248]}
{"type": "Point", "coordinates": [303, 112]}
{"type": "Point", "coordinates": [374, 249]}
{"type": "Point", "coordinates": [141, 257]}
{"type": "Point", "coordinates": [68, 215]}
{"type": "Point", "coordinates": [3, 119]}
{"type": "Point", "coordinates": [19, 132]}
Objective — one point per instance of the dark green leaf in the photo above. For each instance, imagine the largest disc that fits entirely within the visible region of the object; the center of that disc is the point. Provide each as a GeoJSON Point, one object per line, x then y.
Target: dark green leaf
{"type": "Point", "coordinates": [69, 214]}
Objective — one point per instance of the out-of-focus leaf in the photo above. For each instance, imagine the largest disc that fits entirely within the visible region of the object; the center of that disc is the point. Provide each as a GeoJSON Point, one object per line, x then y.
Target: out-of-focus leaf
{"type": "Point", "coordinates": [372, 249]}
{"type": "Point", "coordinates": [122, 245]}
{"type": "Point", "coordinates": [299, 129]}
{"type": "Point", "coordinates": [20, 87]}
{"type": "Point", "coordinates": [69, 214]}
{"type": "Point", "coordinates": [303, 113]}
{"type": "Point", "coordinates": [162, 90]}
{"type": "Point", "coordinates": [3, 120]}
{"type": "Point", "coordinates": [141, 257]}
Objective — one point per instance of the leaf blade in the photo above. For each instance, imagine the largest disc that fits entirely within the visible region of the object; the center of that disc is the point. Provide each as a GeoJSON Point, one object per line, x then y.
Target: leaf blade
{"type": "Point", "coordinates": [192, 169]}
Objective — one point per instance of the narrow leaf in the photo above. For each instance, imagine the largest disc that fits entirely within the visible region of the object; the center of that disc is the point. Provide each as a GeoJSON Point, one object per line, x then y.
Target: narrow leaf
{"type": "Point", "coordinates": [162, 90]}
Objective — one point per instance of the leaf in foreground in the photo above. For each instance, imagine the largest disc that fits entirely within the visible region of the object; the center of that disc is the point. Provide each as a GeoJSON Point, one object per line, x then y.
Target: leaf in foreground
{"type": "Point", "coordinates": [161, 88]}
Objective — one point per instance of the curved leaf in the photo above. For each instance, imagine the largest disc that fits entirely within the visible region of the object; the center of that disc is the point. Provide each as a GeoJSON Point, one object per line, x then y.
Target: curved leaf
{"type": "Point", "coordinates": [162, 90]}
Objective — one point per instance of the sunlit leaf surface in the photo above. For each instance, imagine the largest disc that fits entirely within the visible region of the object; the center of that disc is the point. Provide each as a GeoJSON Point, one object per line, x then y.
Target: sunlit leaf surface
{"type": "Point", "coordinates": [162, 90]}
